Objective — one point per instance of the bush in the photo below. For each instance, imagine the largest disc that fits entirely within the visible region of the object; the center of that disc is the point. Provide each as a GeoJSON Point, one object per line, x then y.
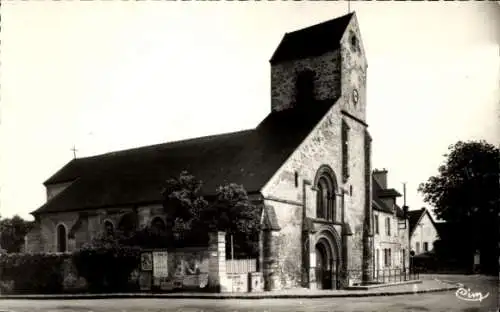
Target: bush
{"type": "Point", "coordinates": [40, 273]}
{"type": "Point", "coordinates": [106, 265]}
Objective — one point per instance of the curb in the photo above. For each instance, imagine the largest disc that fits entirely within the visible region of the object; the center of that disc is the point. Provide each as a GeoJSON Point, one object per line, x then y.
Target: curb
{"type": "Point", "coordinates": [222, 296]}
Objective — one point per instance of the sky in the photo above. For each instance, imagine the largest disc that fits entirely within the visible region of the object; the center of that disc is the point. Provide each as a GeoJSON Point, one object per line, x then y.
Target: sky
{"type": "Point", "coordinates": [112, 75]}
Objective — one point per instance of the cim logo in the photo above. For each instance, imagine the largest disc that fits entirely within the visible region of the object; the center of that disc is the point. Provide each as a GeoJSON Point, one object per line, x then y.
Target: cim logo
{"type": "Point", "coordinates": [467, 295]}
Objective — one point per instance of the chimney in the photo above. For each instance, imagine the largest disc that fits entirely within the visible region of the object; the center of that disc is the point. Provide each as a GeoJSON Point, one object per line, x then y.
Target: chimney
{"type": "Point", "coordinates": [381, 177]}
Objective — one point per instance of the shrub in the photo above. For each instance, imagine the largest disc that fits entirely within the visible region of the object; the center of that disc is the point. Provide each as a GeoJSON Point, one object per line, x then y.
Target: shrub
{"type": "Point", "coordinates": [39, 273]}
{"type": "Point", "coordinates": [106, 264]}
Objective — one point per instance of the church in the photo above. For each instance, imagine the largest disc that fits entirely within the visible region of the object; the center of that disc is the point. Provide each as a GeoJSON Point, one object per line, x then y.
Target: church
{"type": "Point", "coordinates": [306, 165]}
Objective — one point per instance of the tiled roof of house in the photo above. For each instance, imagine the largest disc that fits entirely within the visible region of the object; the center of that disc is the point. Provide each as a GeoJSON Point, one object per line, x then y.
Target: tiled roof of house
{"type": "Point", "coordinates": [134, 176]}
{"type": "Point", "coordinates": [312, 41]}
{"type": "Point", "coordinates": [388, 193]}
{"type": "Point", "coordinates": [378, 204]}
{"type": "Point", "coordinates": [414, 216]}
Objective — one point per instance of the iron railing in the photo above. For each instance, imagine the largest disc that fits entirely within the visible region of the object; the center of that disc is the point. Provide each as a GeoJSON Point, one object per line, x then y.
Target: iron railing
{"type": "Point", "coordinates": [383, 276]}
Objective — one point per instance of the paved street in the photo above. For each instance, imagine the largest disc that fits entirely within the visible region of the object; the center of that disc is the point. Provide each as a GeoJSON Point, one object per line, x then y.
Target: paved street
{"type": "Point", "coordinates": [445, 301]}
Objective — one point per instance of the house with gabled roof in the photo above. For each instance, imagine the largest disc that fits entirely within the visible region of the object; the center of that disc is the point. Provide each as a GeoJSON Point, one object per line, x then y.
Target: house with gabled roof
{"type": "Point", "coordinates": [390, 227]}
{"type": "Point", "coordinates": [306, 166]}
{"type": "Point", "coordinates": [423, 231]}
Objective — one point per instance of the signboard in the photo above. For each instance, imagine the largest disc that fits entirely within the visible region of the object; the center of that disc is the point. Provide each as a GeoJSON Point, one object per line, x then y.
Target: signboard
{"type": "Point", "coordinates": [160, 264]}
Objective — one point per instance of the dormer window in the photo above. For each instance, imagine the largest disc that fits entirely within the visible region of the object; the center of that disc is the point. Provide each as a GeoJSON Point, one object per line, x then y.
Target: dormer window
{"type": "Point", "coordinates": [305, 86]}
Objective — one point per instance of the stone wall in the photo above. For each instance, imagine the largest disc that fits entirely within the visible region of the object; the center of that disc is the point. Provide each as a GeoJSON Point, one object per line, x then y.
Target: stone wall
{"type": "Point", "coordinates": [284, 75]}
{"type": "Point", "coordinates": [288, 244]}
{"type": "Point", "coordinates": [353, 72]}
{"type": "Point", "coordinates": [43, 236]}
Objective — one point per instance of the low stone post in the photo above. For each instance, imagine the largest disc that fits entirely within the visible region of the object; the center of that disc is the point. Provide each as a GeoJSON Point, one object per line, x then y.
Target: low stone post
{"type": "Point", "coordinates": [270, 262]}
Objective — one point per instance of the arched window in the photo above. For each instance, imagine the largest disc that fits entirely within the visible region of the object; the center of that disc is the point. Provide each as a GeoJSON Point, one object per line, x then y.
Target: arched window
{"type": "Point", "coordinates": [109, 228]}
{"type": "Point", "coordinates": [157, 225]}
{"type": "Point", "coordinates": [325, 198]}
{"type": "Point", "coordinates": [128, 223]}
{"type": "Point", "coordinates": [61, 238]}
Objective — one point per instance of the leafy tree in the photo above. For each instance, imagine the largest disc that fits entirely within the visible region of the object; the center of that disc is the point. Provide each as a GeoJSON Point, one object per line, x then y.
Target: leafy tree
{"type": "Point", "coordinates": [12, 233]}
{"type": "Point", "coordinates": [190, 217]}
{"type": "Point", "coordinates": [465, 192]}
{"type": "Point", "coordinates": [183, 205]}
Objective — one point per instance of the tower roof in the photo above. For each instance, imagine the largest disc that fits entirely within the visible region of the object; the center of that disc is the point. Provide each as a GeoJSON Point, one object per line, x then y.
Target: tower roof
{"type": "Point", "coordinates": [312, 41]}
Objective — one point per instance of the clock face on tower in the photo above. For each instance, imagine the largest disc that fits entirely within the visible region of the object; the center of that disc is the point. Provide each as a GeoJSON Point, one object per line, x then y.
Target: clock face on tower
{"type": "Point", "coordinates": [355, 96]}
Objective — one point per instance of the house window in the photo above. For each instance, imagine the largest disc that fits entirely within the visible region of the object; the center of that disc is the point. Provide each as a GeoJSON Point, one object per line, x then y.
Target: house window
{"type": "Point", "coordinates": [403, 260]}
{"type": "Point", "coordinates": [377, 259]}
{"type": "Point", "coordinates": [305, 87]}
{"type": "Point", "coordinates": [109, 228]}
{"type": "Point", "coordinates": [325, 199]}
{"type": "Point", "coordinates": [417, 247]}
{"type": "Point", "coordinates": [426, 246]}
{"type": "Point", "coordinates": [388, 226]}
{"type": "Point", "coordinates": [61, 238]}
{"type": "Point", "coordinates": [387, 257]}
{"type": "Point", "coordinates": [376, 224]}
{"type": "Point", "coordinates": [345, 150]}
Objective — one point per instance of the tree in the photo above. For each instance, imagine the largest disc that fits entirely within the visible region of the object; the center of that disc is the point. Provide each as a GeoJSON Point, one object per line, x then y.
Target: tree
{"type": "Point", "coordinates": [12, 233]}
{"type": "Point", "coordinates": [465, 192]}
{"type": "Point", "coordinates": [190, 217]}
{"type": "Point", "coordinates": [183, 204]}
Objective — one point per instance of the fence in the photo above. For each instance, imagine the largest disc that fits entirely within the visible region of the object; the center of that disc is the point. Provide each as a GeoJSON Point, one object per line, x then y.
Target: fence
{"type": "Point", "coordinates": [385, 276]}
{"type": "Point", "coordinates": [394, 275]}
{"type": "Point", "coordinates": [240, 266]}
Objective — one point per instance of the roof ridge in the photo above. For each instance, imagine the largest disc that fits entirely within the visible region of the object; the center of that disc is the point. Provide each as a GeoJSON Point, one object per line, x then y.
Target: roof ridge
{"type": "Point", "coordinates": [206, 137]}
{"type": "Point", "coordinates": [320, 23]}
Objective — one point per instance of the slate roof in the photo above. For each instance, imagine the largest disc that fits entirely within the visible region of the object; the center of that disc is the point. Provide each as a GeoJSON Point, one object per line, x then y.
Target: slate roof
{"type": "Point", "coordinates": [312, 41]}
{"type": "Point", "coordinates": [136, 176]}
{"type": "Point", "coordinates": [388, 193]}
{"type": "Point", "coordinates": [414, 216]}
{"type": "Point", "coordinates": [378, 204]}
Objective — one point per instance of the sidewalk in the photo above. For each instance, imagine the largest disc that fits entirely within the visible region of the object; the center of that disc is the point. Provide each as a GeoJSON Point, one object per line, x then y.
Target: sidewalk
{"type": "Point", "coordinates": [426, 286]}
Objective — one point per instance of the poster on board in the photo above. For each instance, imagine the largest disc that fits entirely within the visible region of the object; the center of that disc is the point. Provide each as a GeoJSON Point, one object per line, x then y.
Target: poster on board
{"type": "Point", "coordinates": [160, 264]}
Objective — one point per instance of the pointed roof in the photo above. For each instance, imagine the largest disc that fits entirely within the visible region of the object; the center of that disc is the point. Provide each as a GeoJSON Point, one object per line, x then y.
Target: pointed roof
{"type": "Point", "coordinates": [312, 41]}
{"type": "Point", "coordinates": [416, 215]}
{"type": "Point", "coordinates": [137, 176]}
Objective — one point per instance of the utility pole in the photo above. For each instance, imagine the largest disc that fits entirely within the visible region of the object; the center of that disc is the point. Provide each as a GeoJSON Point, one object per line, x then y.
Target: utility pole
{"type": "Point", "coordinates": [404, 193]}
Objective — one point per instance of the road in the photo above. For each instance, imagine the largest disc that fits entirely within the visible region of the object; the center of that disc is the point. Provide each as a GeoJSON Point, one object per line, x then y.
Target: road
{"type": "Point", "coordinates": [445, 301]}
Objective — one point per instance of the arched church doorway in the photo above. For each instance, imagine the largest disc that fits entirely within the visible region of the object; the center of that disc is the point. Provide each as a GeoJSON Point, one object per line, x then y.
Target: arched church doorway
{"type": "Point", "coordinates": [326, 265]}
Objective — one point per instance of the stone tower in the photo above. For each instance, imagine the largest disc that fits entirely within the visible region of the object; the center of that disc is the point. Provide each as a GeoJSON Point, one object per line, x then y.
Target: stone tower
{"type": "Point", "coordinates": [325, 64]}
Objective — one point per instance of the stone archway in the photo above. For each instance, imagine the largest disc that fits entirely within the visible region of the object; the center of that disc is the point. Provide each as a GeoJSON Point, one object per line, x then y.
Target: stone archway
{"type": "Point", "coordinates": [328, 258]}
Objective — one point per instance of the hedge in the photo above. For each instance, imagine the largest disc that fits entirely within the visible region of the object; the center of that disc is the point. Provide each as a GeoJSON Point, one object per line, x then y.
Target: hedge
{"type": "Point", "coordinates": [32, 273]}
{"type": "Point", "coordinates": [107, 266]}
